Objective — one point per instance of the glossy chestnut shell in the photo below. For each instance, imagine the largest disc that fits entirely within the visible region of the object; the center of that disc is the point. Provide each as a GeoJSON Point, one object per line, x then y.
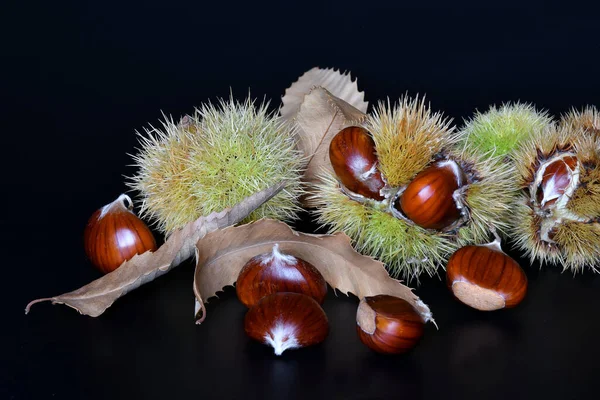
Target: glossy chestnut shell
{"type": "Point", "coordinates": [556, 179]}
{"type": "Point", "coordinates": [485, 278]}
{"type": "Point", "coordinates": [428, 199]}
{"type": "Point", "coordinates": [114, 234]}
{"type": "Point", "coordinates": [275, 271]}
{"type": "Point", "coordinates": [388, 324]}
{"type": "Point", "coordinates": [354, 161]}
{"type": "Point", "coordinates": [287, 321]}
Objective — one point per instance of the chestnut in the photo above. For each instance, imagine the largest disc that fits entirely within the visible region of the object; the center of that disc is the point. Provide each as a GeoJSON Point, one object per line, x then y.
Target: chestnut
{"type": "Point", "coordinates": [114, 234]}
{"type": "Point", "coordinates": [485, 278]}
{"type": "Point", "coordinates": [286, 320]}
{"type": "Point", "coordinates": [278, 272]}
{"type": "Point", "coordinates": [388, 324]}
{"type": "Point", "coordinates": [353, 158]}
{"type": "Point", "coordinates": [556, 178]}
{"type": "Point", "coordinates": [428, 200]}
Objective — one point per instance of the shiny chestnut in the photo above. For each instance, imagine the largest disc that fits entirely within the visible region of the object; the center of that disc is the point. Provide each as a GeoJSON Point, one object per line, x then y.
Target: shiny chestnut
{"type": "Point", "coordinates": [287, 320]}
{"type": "Point", "coordinates": [354, 161]}
{"type": "Point", "coordinates": [555, 179]}
{"type": "Point", "coordinates": [485, 278]}
{"type": "Point", "coordinates": [278, 272]}
{"type": "Point", "coordinates": [388, 324]}
{"type": "Point", "coordinates": [428, 200]}
{"type": "Point", "coordinates": [114, 234]}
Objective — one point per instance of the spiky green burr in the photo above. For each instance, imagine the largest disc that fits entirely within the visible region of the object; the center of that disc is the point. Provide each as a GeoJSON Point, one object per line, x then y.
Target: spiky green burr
{"type": "Point", "coordinates": [500, 130]}
{"type": "Point", "coordinates": [213, 159]}
{"type": "Point", "coordinates": [564, 231]}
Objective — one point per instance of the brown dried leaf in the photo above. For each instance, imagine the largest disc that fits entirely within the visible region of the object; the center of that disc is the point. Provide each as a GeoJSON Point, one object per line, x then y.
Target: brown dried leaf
{"type": "Point", "coordinates": [94, 298]}
{"type": "Point", "coordinates": [321, 117]}
{"type": "Point", "coordinates": [340, 85]}
{"type": "Point", "coordinates": [221, 255]}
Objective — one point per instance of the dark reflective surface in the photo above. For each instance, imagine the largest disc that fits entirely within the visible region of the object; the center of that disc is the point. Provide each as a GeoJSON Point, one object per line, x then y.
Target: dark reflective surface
{"type": "Point", "coordinates": [80, 79]}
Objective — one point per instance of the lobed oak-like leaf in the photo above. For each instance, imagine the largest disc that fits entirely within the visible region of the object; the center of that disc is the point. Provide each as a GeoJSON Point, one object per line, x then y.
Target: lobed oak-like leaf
{"type": "Point", "coordinates": [94, 298]}
{"type": "Point", "coordinates": [220, 256]}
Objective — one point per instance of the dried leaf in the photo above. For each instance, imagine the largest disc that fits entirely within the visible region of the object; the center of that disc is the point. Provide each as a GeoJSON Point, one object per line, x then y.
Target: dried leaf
{"type": "Point", "coordinates": [221, 255]}
{"type": "Point", "coordinates": [320, 118]}
{"type": "Point", "coordinates": [340, 85]}
{"type": "Point", "coordinates": [94, 298]}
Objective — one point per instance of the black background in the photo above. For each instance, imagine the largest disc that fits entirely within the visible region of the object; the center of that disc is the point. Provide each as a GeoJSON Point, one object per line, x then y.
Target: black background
{"type": "Point", "coordinates": [78, 80]}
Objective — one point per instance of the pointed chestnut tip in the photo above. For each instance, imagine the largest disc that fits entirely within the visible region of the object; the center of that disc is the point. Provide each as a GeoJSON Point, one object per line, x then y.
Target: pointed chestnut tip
{"type": "Point", "coordinates": [286, 320]}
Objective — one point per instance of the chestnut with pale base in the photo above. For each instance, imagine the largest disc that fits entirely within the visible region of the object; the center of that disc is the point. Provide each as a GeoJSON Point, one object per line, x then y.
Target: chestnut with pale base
{"type": "Point", "coordinates": [388, 324]}
{"type": "Point", "coordinates": [287, 321]}
{"type": "Point", "coordinates": [276, 271]}
{"type": "Point", "coordinates": [485, 278]}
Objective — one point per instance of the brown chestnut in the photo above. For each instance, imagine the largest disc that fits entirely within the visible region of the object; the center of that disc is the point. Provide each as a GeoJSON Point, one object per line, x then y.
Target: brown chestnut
{"type": "Point", "coordinates": [485, 278]}
{"type": "Point", "coordinates": [428, 200]}
{"type": "Point", "coordinates": [353, 158]}
{"type": "Point", "coordinates": [556, 177]}
{"type": "Point", "coordinates": [278, 272]}
{"type": "Point", "coordinates": [287, 320]}
{"type": "Point", "coordinates": [114, 234]}
{"type": "Point", "coordinates": [388, 324]}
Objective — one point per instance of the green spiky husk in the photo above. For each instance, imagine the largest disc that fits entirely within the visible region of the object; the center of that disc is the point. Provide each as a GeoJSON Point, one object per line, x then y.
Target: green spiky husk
{"type": "Point", "coordinates": [409, 137]}
{"type": "Point", "coordinates": [212, 160]}
{"type": "Point", "coordinates": [577, 227]}
{"type": "Point", "coordinates": [499, 131]}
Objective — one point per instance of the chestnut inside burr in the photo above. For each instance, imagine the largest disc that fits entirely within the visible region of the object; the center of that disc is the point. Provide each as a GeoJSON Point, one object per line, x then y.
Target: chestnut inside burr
{"type": "Point", "coordinates": [354, 161]}
{"type": "Point", "coordinates": [432, 199]}
{"type": "Point", "coordinates": [554, 183]}
{"type": "Point", "coordinates": [556, 180]}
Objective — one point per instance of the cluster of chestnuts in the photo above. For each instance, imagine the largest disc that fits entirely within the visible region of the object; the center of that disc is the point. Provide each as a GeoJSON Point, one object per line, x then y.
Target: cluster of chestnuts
{"type": "Point", "coordinates": [284, 294]}
{"type": "Point", "coordinates": [435, 201]}
{"type": "Point", "coordinates": [481, 276]}
{"type": "Point", "coordinates": [428, 200]}
{"type": "Point", "coordinates": [408, 191]}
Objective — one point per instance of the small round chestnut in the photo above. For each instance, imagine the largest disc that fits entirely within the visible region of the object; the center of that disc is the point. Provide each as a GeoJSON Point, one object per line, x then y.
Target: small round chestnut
{"type": "Point", "coordinates": [485, 278]}
{"type": "Point", "coordinates": [428, 200]}
{"type": "Point", "coordinates": [354, 161]}
{"type": "Point", "coordinates": [287, 320]}
{"type": "Point", "coordinates": [114, 234]}
{"type": "Point", "coordinates": [278, 272]}
{"type": "Point", "coordinates": [388, 324]}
